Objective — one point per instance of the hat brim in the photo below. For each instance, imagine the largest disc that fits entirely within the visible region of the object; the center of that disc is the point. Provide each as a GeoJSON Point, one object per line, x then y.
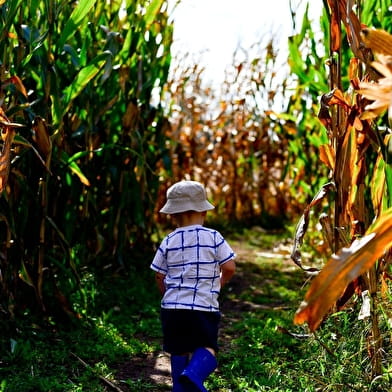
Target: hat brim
{"type": "Point", "coordinates": [176, 207]}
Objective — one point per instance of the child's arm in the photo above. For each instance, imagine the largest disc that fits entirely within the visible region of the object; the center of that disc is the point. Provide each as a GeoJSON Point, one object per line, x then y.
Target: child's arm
{"type": "Point", "coordinates": [159, 279]}
{"type": "Point", "coordinates": [227, 271]}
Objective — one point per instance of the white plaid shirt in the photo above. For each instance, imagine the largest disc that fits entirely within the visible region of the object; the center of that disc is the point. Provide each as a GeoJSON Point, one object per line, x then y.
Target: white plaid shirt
{"type": "Point", "coordinates": [190, 258]}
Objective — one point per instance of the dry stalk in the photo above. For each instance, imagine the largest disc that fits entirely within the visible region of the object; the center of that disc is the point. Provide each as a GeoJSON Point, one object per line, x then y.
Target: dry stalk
{"type": "Point", "coordinates": [102, 378]}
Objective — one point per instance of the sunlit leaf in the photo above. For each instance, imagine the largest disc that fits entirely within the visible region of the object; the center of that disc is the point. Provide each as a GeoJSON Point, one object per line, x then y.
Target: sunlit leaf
{"type": "Point", "coordinates": [17, 82]}
{"type": "Point", "coordinates": [334, 97]}
{"type": "Point", "coordinates": [379, 92]}
{"type": "Point", "coordinates": [342, 12]}
{"type": "Point", "coordinates": [353, 27]}
{"type": "Point", "coordinates": [5, 157]}
{"type": "Point", "coordinates": [343, 268]}
{"type": "Point", "coordinates": [295, 59]}
{"type": "Point", "coordinates": [379, 41]}
{"type": "Point", "coordinates": [385, 290]}
{"type": "Point", "coordinates": [335, 27]}
{"type": "Point", "coordinates": [377, 185]}
{"type": "Point", "coordinates": [81, 10]}
{"type": "Point", "coordinates": [12, 9]}
{"type": "Point", "coordinates": [327, 155]}
{"type": "Point", "coordinates": [25, 276]}
{"type": "Point", "coordinates": [353, 70]}
{"type": "Point", "coordinates": [84, 76]}
{"type": "Point", "coordinates": [152, 11]}
{"type": "Point", "coordinates": [74, 167]}
{"type": "Point", "coordinates": [388, 180]}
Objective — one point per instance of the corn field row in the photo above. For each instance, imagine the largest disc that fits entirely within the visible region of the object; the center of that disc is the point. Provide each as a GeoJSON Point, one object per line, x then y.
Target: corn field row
{"type": "Point", "coordinates": [86, 158]}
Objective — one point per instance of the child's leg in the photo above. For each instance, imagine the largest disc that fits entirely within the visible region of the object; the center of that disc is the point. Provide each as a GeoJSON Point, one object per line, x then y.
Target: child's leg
{"type": "Point", "coordinates": [201, 365]}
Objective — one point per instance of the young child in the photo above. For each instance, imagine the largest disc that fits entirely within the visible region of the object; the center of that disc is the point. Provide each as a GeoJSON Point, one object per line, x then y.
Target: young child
{"type": "Point", "coordinates": [192, 264]}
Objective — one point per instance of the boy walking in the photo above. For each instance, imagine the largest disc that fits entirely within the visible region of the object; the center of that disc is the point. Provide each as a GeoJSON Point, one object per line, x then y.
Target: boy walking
{"type": "Point", "coordinates": [191, 265]}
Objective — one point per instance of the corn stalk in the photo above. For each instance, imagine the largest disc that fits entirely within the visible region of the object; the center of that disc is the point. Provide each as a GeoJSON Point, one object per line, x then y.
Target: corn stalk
{"type": "Point", "coordinates": [78, 176]}
{"type": "Point", "coordinates": [361, 223]}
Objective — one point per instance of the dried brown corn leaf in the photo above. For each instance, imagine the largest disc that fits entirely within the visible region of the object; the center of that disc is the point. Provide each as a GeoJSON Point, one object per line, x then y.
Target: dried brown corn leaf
{"type": "Point", "coordinates": [5, 157]}
{"type": "Point", "coordinates": [379, 41]}
{"type": "Point", "coordinates": [42, 137]}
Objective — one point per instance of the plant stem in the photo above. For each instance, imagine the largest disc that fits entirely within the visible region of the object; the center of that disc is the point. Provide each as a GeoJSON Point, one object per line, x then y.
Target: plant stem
{"type": "Point", "coordinates": [376, 336]}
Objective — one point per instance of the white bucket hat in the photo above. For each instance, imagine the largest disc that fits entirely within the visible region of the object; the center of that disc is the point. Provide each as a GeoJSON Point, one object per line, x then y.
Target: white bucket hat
{"type": "Point", "coordinates": [186, 196]}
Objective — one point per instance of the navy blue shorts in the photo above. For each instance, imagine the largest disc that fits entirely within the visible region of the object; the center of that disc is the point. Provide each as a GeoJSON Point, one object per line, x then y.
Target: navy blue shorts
{"type": "Point", "coordinates": [185, 330]}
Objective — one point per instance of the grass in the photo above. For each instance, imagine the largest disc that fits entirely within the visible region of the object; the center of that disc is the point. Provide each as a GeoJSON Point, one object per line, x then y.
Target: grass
{"type": "Point", "coordinates": [38, 356]}
{"type": "Point", "coordinates": [117, 342]}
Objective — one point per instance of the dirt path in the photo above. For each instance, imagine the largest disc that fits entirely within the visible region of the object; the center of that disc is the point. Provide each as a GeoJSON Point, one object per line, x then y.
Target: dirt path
{"type": "Point", "coordinates": [153, 368]}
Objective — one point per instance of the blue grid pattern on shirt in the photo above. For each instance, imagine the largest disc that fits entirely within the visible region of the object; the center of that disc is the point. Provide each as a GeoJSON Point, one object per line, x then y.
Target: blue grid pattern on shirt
{"type": "Point", "coordinates": [190, 258]}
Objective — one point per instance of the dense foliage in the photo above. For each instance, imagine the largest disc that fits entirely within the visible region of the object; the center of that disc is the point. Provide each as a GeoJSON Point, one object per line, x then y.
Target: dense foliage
{"type": "Point", "coordinates": [81, 139]}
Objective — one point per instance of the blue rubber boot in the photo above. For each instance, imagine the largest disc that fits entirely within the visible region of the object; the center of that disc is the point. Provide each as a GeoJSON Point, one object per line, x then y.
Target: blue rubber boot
{"type": "Point", "coordinates": [178, 364]}
{"type": "Point", "coordinates": [201, 365]}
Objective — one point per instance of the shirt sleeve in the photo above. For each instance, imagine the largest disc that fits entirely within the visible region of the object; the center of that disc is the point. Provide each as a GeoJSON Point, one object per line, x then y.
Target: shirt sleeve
{"type": "Point", "coordinates": [159, 263]}
{"type": "Point", "coordinates": [224, 252]}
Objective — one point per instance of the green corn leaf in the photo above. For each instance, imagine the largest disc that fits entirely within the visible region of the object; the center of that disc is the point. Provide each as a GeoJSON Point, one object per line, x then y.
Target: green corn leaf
{"type": "Point", "coordinates": [152, 11]}
{"type": "Point", "coordinates": [388, 177]}
{"type": "Point", "coordinates": [76, 170]}
{"type": "Point", "coordinates": [306, 25]}
{"type": "Point", "coordinates": [74, 22]}
{"type": "Point", "coordinates": [25, 276]}
{"type": "Point", "coordinates": [57, 106]}
{"type": "Point", "coordinates": [13, 7]}
{"type": "Point", "coordinates": [124, 52]}
{"type": "Point", "coordinates": [84, 76]}
{"type": "Point", "coordinates": [74, 167]}
{"type": "Point", "coordinates": [295, 59]}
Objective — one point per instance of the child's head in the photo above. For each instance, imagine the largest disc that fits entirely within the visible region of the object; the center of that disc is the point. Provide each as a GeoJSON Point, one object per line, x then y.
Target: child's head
{"type": "Point", "coordinates": [186, 196]}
